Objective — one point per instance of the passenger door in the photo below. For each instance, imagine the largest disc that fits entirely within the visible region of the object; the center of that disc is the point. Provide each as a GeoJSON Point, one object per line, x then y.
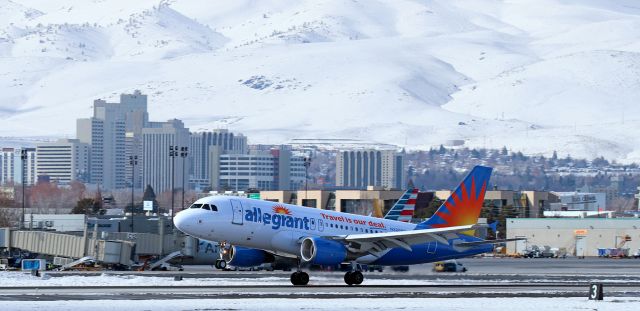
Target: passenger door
{"type": "Point", "coordinates": [236, 206]}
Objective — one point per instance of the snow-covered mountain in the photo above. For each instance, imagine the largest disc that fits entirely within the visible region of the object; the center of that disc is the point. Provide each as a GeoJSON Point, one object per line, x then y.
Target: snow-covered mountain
{"type": "Point", "coordinates": [534, 75]}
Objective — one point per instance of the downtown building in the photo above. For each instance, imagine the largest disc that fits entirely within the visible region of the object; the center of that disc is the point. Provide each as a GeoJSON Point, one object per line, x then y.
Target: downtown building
{"type": "Point", "coordinates": [114, 134]}
{"type": "Point", "coordinates": [12, 166]}
{"type": "Point", "coordinates": [273, 169]}
{"type": "Point", "coordinates": [199, 148]}
{"type": "Point", "coordinates": [362, 168]}
{"type": "Point", "coordinates": [63, 161]}
{"type": "Point", "coordinates": [157, 164]}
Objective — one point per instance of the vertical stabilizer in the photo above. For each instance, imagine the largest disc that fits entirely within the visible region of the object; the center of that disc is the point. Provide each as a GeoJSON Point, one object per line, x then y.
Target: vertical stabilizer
{"type": "Point", "coordinates": [464, 204]}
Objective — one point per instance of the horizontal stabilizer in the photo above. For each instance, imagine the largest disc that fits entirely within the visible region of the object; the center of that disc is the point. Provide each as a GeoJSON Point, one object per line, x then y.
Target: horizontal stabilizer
{"type": "Point", "coordinates": [469, 244]}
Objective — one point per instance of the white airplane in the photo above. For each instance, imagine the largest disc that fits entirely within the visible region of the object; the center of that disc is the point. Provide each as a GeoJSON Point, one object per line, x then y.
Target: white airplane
{"type": "Point", "coordinates": [260, 230]}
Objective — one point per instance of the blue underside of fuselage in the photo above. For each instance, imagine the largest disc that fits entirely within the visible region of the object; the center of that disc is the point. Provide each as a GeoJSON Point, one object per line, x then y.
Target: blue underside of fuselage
{"type": "Point", "coordinates": [430, 252]}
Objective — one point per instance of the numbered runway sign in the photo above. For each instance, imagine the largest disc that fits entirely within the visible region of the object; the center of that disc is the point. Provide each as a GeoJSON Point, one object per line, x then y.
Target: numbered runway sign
{"type": "Point", "coordinates": [595, 291]}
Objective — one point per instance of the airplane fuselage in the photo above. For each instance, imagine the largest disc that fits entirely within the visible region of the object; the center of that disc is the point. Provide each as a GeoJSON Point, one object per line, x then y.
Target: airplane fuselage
{"type": "Point", "coordinates": [279, 229]}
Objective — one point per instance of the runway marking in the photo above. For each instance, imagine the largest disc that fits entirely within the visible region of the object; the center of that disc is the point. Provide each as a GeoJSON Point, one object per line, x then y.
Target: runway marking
{"type": "Point", "coordinates": [267, 286]}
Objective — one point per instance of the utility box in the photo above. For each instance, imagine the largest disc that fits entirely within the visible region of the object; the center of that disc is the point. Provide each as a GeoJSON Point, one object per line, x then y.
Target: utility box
{"type": "Point", "coordinates": [34, 264]}
{"type": "Point", "coordinates": [110, 251]}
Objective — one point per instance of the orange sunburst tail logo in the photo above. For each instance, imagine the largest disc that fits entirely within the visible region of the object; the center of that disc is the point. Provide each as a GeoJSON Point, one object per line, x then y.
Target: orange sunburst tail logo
{"type": "Point", "coordinates": [463, 206]}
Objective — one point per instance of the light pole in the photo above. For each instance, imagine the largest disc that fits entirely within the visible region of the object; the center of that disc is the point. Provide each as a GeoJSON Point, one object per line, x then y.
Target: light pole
{"type": "Point", "coordinates": [173, 152]}
{"type": "Point", "coordinates": [307, 163]}
{"type": "Point", "coordinates": [183, 154]}
{"type": "Point", "coordinates": [133, 160]}
{"type": "Point", "coordinates": [23, 157]}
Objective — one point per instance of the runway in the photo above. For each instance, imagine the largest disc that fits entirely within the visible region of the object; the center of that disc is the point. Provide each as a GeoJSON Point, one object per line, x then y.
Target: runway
{"type": "Point", "coordinates": [547, 281]}
{"type": "Point", "coordinates": [507, 290]}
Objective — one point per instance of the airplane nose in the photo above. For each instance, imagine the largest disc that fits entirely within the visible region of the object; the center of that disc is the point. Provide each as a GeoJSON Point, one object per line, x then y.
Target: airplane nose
{"type": "Point", "coordinates": [181, 221]}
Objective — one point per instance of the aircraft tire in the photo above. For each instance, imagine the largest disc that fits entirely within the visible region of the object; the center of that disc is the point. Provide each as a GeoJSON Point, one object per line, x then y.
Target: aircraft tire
{"type": "Point", "coordinates": [348, 278]}
{"type": "Point", "coordinates": [223, 264]}
{"type": "Point", "coordinates": [303, 278]}
{"type": "Point", "coordinates": [299, 278]}
{"type": "Point", "coordinates": [294, 278]}
{"type": "Point", "coordinates": [357, 277]}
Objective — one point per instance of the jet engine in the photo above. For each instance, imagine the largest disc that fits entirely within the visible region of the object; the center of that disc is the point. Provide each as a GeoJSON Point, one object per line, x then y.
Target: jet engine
{"type": "Point", "coordinates": [319, 251]}
{"type": "Point", "coordinates": [246, 257]}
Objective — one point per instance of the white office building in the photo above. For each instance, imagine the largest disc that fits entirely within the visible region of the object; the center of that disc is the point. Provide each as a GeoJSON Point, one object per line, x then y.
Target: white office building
{"type": "Point", "coordinates": [263, 170]}
{"type": "Point", "coordinates": [361, 168]}
{"type": "Point", "coordinates": [11, 166]}
{"type": "Point", "coordinates": [63, 161]}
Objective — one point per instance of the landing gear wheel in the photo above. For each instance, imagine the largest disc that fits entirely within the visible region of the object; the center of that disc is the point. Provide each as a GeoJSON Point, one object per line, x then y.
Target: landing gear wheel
{"type": "Point", "coordinates": [357, 277]}
{"type": "Point", "coordinates": [347, 278]}
{"type": "Point", "coordinates": [353, 278]}
{"type": "Point", "coordinates": [299, 278]}
{"type": "Point", "coordinates": [220, 264]}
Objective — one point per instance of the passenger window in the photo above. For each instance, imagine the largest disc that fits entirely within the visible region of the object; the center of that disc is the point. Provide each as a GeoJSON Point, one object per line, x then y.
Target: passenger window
{"type": "Point", "coordinates": [214, 208]}
{"type": "Point", "coordinates": [206, 206]}
{"type": "Point", "coordinates": [196, 206]}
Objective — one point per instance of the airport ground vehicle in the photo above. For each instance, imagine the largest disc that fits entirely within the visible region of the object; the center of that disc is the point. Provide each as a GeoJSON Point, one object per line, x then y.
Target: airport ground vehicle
{"type": "Point", "coordinates": [165, 266]}
{"type": "Point", "coordinates": [400, 268]}
{"type": "Point", "coordinates": [449, 266]}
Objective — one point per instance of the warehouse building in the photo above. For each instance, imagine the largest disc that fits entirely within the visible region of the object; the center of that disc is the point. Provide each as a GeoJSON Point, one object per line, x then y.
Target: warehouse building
{"type": "Point", "coordinates": [579, 236]}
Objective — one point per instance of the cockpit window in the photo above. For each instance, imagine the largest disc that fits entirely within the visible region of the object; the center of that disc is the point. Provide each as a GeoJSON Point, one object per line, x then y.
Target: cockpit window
{"type": "Point", "coordinates": [214, 208]}
{"type": "Point", "coordinates": [206, 206]}
{"type": "Point", "coordinates": [196, 206]}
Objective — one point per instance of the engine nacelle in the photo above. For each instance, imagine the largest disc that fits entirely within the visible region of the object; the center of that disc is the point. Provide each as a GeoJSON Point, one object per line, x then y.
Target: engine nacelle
{"type": "Point", "coordinates": [319, 251]}
{"type": "Point", "coordinates": [246, 257]}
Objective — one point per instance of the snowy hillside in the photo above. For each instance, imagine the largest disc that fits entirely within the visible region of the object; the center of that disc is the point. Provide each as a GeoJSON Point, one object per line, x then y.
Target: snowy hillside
{"type": "Point", "coordinates": [534, 75]}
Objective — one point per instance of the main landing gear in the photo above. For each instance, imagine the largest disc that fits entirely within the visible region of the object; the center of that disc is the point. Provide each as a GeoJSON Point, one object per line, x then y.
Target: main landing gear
{"type": "Point", "coordinates": [354, 277]}
{"type": "Point", "coordinates": [299, 277]}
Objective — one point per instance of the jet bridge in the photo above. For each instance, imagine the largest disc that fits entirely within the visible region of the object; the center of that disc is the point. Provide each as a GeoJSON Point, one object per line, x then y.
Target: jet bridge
{"type": "Point", "coordinates": [107, 248]}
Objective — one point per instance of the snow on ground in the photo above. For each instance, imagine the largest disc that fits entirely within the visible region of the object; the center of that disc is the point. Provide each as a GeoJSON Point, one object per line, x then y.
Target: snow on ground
{"type": "Point", "coordinates": [25, 279]}
{"type": "Point", "coordinates": [443, 304]}
{"type": "Point", "coordinates": [534, 75]}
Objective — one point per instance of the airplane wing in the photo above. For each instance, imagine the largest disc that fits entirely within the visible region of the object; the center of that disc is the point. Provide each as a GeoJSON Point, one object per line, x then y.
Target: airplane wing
{"type": "Point", "coordinates": [476, 243]}
{"type": "Point", "coordinates": [375, 243]}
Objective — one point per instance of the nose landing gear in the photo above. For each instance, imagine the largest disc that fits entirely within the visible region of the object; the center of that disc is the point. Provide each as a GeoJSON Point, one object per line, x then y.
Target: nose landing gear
{"type": "Point", "coordinates": [220, 264]}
